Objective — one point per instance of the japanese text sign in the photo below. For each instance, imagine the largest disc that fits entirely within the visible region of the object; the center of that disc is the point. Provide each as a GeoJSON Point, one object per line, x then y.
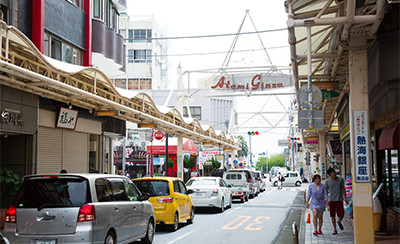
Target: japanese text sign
{"type": "Point", "coordinates": [67, 118]}
{"type": "Point", "coordinates": [361, 144]}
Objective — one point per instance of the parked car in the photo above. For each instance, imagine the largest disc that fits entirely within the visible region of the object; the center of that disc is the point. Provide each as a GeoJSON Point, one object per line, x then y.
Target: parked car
{"type": "Point", "coordinates": [261, 180]}
{"type": "Point", "coordinates": [210, 192]}
{"type": "Point", "coordinates": [291, 178]}
{"type": "Point", "coordinates": [3, 239]}
{"type": "Point", "coordinates": [79, 208]}
{"type": "Point", "coordinates": [251, 179]}
{"type": "Point", "coordinates": [170, 198]}
{"type": "Point", "coordinates": [240, 187]}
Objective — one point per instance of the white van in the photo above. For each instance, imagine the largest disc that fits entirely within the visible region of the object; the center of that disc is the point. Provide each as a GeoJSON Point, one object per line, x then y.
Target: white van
{"type": "Point", "coordinates": [240, 187]}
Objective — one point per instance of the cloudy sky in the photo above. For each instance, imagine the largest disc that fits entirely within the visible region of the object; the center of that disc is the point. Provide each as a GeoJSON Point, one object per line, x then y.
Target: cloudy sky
{"type": "Point", "coordinates": [201, 18]}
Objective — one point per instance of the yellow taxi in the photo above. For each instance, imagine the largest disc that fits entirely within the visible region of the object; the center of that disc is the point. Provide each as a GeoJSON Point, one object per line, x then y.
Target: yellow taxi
{"type": "Point", "coordinates": [171, 200]}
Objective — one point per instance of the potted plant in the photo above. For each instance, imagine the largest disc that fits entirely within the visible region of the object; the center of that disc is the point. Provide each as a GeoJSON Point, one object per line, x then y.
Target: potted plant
{"type": "Point", "coordinates": [8, 181]}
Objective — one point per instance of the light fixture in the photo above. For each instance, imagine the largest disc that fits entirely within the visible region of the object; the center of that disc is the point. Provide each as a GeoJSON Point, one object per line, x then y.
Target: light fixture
{"type": "Point", "coordinates": [69, 105]}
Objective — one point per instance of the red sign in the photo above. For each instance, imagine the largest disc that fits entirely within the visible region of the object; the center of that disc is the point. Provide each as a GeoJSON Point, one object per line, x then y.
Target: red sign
{"type": "Point", "coordinates": [158, 135]}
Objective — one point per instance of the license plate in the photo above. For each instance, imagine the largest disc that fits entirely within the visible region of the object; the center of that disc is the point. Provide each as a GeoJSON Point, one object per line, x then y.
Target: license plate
{"type": "Point", "coordinates": [45, 241]}
{"type": "Point", "coordinates": [200, 194]}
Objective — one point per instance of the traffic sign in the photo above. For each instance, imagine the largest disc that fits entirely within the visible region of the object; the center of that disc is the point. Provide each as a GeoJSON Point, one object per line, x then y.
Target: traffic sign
{"type": "Point", "coordinates": [158, 135]}
{"type": "Point", "coordinates": [303, 96]}
{"type": "Point", "coordinates": [235, 162]}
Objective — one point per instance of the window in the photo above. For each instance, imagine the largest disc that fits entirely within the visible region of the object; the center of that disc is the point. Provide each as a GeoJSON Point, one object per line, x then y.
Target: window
{"type": "Point", "coordinates": [118, 190]}
{"type": "Point", "coordinates": [102, 190]}
{"type": "Point", "coordinates": [142, 35]}
{"type": "Point", "coordinates": [60, 50]}
{"type": "Point", "coordinates": [195, 112]}
{"type": "Point", "coordinates": [76, 3]}
{"type": "Point", "coordinates": [131, 56]}
{"type": "Point", "coordinates": [121, 83]}
{"type": "Point", "coordinates": [130, 35]}
{"type": "Point", "coordinates": [182, 187]}
{"type": "Point", "coordinates": [131, 191]}
{"type": "Point", "coordinates": [141, 56]}
{"type": "Point", "coordinates": [153, 187]}
{"type": "Point", "coordinates": [98, 9]}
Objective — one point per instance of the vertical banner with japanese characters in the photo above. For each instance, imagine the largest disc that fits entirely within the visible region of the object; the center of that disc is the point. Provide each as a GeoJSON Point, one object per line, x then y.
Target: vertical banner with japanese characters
{"type": "Point", "coordinates": [361, 146]}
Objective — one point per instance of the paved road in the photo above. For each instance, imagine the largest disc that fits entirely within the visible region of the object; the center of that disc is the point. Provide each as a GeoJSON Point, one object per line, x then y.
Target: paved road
{"type": "Point", "coordinates": [258, 221]}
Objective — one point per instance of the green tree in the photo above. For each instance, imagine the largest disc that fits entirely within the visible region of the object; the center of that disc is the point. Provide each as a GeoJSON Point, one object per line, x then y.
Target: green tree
{"type": "Point", "coordinates": [214, 165]}
{"type": "Point", "coordinates": [261, 163]}
{"type": "Point", "coordinates": [276, 160]}
{"type": "Point", "coordinates": [189, 162]}
{"type": "Point", "coordinates": [244, 148]}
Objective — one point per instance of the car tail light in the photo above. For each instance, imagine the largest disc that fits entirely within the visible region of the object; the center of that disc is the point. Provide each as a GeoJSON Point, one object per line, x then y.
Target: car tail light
{"type": "Point", "coordinates": [165, 200]}
{"type": "Point", "coordinates": [215, 192]}
{"type": "Point", "coordinates": [11, 215]}
{"type": "Point", "coordinates": [239, 192]}
{"type": "Point", "coordinates": [86, 213]}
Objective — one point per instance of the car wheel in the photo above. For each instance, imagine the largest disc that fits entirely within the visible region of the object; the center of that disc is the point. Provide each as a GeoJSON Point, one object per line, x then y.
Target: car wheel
{"type": "Point", "coordinates": [110, 238]}
{"type": "Point", "coordinates": [230, 202]}
{"type": "Point", "coordinates": [247, 197]}
{"type": "Point", "coordinates": [276, 183]}
{"type": "Point", "coordinates": [149, 234]}
{"type": "Point", "coordinates": [222, 209]}
{"type": "Point", "coordinates": [243, 199]}
{"type": "Point", "coordinates": [190, 221]}
{"type": "Point", "coordinates": [174, 227]}
{"type": "Point", "coordinates": [298, 183]}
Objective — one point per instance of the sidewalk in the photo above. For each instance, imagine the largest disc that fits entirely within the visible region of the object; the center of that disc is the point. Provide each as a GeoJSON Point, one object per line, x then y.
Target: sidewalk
{"type": "Point", "coordinates": [343, 236]}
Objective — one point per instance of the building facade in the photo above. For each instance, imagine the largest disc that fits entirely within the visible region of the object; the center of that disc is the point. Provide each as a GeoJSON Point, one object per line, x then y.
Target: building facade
{"type": "Point", "coordinates": [146, 65]}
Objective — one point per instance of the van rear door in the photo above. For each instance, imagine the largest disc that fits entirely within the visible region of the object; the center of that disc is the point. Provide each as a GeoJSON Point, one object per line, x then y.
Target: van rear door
{"type": "Point", "coordinates": [50, 204]}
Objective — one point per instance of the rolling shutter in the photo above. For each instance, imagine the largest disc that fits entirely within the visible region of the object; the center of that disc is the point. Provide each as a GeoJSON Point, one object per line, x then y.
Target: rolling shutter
{"type": "Point", "coordinates": [76, 152]}
{"type": "Point", "coordinates": [49, 150]}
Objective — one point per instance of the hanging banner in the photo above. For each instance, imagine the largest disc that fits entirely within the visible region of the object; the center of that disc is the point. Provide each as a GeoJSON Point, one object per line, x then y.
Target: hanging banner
{"type": "Point", "coordinates": [361, 144]}
{"type": "Point", "coordinates": [246, 82]}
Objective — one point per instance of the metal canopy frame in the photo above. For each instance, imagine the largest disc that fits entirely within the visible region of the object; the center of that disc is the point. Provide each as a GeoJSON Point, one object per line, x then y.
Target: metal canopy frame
{"type": "Point", "coordinates": [331, 22]}
{"type": "Point", "coordinates": [23, 67]}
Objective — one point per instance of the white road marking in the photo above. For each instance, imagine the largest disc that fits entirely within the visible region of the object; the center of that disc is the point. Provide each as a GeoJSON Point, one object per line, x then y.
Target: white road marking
{"type": "Point", "coordinates": [180, 237]}
{"type": "Point", "coordinates": [234, 210]}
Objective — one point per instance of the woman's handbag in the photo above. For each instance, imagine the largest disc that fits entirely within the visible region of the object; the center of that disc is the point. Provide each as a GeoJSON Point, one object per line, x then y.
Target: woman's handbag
{"type": "Point", "coordinates": [308, 221]}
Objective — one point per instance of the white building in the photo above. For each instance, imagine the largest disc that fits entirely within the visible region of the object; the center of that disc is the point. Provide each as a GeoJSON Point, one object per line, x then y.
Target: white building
{"type": "Point", "coordinates": [146, 66]}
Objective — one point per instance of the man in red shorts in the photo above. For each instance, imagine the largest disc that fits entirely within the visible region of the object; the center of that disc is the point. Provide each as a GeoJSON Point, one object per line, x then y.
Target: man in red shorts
{"type": "Point", "coordinates": [337, 193]}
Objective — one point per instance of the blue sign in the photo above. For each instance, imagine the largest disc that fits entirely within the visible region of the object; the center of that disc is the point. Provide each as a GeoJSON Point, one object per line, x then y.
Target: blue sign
{"type": "Point", "coordinates": [235, 162]}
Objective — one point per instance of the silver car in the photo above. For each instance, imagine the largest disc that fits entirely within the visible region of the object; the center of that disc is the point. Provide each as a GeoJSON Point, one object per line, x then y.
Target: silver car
{"type": "Point", "coordinates": [79, 208]}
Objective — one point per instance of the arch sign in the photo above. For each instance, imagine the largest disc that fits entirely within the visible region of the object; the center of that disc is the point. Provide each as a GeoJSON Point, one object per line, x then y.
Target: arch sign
{"type": "Point", "coordinates": [246, 82]}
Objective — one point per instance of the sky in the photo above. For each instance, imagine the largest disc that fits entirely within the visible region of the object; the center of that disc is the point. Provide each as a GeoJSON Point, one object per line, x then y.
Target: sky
{"type": "Point", "coordinates": [180, 18]}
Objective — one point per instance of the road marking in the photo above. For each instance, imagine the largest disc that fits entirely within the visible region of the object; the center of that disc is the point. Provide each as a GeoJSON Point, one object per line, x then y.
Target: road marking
{"type": "Point", "coordinates": [228, 226]}
{"type": "Point", "coordinates": [256, 221]}
{"type": "Point", "coordinates": [232, 210]}
{"type": "Point", "coordinates": [180, 237]}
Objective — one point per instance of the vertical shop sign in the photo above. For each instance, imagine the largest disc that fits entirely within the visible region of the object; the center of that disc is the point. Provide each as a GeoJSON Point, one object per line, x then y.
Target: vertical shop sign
{"type": "Point", "coordinates": [361, 150]}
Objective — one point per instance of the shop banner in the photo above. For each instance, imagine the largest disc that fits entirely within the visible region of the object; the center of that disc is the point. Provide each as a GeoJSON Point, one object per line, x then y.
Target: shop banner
{"type": "Point", "coordinates": [362, 171]}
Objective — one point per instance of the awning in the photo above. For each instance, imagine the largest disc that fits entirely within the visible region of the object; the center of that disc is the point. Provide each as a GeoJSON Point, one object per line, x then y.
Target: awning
{"type": "Point", "coordinates": [390, 136]}
{"type": "Point", "coordinates": [158, 147]}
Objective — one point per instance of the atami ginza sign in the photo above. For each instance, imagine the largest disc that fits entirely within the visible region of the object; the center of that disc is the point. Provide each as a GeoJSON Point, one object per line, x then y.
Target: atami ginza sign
{"type": "Point", "coordinates": [246, 82]}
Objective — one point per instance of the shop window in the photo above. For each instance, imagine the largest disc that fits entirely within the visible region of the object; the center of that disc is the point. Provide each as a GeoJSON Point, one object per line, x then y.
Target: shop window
{"type": "Point", "coordinates": [133, 84]}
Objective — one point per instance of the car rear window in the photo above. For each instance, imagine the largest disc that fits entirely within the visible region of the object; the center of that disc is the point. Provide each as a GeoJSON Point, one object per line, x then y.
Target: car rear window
{"type": "Point", "coordinates": [233, 176]}
{"type": "Point", "coordinates": [203, 182]}
{"type": "Point", "coordinates": [153, 187]}
{"type": "Point", "coordinates": [53, 193]}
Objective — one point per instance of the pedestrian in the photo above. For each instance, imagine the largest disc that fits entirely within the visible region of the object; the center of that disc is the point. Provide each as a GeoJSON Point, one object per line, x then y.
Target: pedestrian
{"type": "Point", "coordinates": [337, 193]}
{"type": "Point", "coordinates": [63, 171]}
{"type": "Point", "coordinates": [281, 179]}
{"type": "Point", "coordinates": [319, 199]}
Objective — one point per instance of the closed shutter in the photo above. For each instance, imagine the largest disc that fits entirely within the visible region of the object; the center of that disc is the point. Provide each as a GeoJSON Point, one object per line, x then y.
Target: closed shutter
{"type": "Point", "coordinates": [76, 152]}
{"type": "Point", "coordinates": [49, 150]}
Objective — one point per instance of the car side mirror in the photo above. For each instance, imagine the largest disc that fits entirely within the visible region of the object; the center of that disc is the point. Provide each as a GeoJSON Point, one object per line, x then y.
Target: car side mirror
{"type": "Point", "coordinates": [144, 197]}
{"type": "Point", "coordinates": [229, 185]}
{"type": "Point", "coordinates": [189, 191]}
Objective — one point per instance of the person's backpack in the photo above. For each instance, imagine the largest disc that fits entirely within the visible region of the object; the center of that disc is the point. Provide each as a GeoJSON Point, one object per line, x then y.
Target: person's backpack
{"type": "Point", "coordinates": [283, 179]}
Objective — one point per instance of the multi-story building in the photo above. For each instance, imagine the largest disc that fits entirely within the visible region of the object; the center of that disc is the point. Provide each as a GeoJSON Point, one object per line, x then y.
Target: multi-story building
{"type": "Point", "coordinates": [146, 66]}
